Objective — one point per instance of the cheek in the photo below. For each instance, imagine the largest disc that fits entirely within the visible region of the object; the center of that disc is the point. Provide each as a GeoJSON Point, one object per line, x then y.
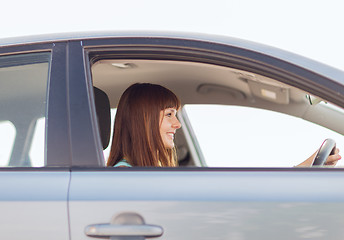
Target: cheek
{"type": "Point", "coordinates": [163, 125]}
{"type": "Point", "coordinates": [161, 128]}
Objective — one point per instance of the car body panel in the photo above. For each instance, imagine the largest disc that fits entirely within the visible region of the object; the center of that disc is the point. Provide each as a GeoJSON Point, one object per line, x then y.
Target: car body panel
{"type": "Point", "coordinates": [33, 204]}
{"type": "Point", "coordinates": [212, 204]}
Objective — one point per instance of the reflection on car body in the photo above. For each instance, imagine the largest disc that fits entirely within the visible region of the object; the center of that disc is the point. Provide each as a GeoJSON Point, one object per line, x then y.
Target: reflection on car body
{"type": "Point", "coordinates": [57, 132]}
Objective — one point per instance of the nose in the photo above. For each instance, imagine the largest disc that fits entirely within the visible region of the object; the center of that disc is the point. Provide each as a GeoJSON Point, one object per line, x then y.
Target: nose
{"type": "Point", "coordinates": [176, 124]}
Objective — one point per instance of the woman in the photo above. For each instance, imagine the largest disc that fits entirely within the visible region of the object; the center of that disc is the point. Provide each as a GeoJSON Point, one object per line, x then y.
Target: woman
{"type": "Point", "coordinates": [144, 127]}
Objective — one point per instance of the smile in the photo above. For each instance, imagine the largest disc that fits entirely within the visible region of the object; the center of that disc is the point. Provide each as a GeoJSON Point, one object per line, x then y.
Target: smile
{"type": "Point", "coordinates": [171, 135]}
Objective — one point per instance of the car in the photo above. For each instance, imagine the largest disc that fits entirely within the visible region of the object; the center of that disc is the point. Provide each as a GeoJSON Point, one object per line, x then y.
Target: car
{"type": "Point", "coordinates": [241, 101]}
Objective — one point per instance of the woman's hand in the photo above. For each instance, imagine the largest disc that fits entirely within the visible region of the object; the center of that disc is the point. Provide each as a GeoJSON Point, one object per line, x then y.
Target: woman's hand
{"type": "Point", "coordinates": [331, 160]}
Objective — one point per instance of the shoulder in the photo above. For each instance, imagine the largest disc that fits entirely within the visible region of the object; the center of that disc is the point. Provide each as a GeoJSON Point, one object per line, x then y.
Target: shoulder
{"type": "Point", "coordinates": [122, 163]}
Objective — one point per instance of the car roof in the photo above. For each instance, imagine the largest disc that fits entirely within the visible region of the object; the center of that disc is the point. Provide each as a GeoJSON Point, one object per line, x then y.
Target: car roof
{"type": "Point", "coordinates": [309, 64]}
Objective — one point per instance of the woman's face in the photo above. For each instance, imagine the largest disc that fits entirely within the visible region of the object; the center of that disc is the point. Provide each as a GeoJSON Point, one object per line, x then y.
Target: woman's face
{"type": "Point", "coordinates": [168, 126]}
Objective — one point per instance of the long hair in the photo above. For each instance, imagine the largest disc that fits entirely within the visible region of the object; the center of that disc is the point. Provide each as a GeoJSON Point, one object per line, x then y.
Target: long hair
{"type": "Point", "coordinates": [137, 127]}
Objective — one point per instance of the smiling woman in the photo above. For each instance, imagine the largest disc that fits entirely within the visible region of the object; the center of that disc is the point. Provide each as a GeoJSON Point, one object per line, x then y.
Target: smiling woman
{"type": "Point", "coordinates": [144, 127]}
{"type": "Point", "coordinates": [169, 123]}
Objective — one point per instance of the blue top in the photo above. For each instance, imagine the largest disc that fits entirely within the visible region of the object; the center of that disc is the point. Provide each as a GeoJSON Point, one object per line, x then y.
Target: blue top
{"type": "Point", "coordinates": [123, 163]}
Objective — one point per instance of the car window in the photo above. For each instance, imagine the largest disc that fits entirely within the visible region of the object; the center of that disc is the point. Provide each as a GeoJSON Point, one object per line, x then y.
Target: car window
{"type": "Point", "coordinates": [215, 131]}
{"type": "Point", "coordinates": [35, 153]}
{"type": "Point", "coordinates": [235, 136]}
{"type": "Point", "coordinates": [23, 80]}
{"type": "Point", "coordinates": [8, 133]}
{"type": "Point", "coordinates": [106, 151]}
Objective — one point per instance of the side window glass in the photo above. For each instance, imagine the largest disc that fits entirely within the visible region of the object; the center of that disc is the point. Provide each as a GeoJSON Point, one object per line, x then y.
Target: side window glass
{"type": "Point", "coordinates": [35, 153]}
{"type": "Point", "coordinates": [234, 136]}
{"type": "Point", "coordinates": [106, 151]}
{"type": "Point", "coordinates": [8, 133]}
{"type": "Point", "coordinates": [23, 80]}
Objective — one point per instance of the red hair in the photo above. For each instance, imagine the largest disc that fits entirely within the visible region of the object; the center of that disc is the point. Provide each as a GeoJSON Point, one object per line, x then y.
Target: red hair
{"type": "Point", "coordinates": [137, 127]}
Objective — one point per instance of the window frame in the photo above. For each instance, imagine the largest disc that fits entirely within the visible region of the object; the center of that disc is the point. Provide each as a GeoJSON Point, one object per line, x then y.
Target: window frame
{"type": "Point", "coordinates": [160, 48]}
{"type": "Point", "coordinates": [56, 126]}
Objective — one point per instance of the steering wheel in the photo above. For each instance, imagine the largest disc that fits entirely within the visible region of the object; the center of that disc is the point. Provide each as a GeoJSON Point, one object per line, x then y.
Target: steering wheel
{"type": "Point", "coordinates": [326, 149]}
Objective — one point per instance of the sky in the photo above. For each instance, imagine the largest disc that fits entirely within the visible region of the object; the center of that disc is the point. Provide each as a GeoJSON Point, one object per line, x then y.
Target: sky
{"type": "Point", "coordinates": [311, 28]}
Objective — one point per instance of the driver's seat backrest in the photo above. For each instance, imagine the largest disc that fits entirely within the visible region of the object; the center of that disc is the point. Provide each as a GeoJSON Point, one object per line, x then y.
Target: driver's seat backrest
{"type": "Point", "coordinates": [102, 104]}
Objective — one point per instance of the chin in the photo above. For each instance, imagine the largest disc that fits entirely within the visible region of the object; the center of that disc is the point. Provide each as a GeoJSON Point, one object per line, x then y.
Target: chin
{"type": "Point", "coordinates": [169, 146]}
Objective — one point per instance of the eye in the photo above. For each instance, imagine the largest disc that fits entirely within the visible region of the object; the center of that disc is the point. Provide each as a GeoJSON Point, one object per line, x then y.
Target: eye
{"type": "Point", "coordinates": [168, 114]}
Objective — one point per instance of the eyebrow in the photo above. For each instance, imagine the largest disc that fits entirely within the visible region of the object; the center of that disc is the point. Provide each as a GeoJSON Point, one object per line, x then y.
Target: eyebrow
{"type": "Point", "coordinates": [171, 109]}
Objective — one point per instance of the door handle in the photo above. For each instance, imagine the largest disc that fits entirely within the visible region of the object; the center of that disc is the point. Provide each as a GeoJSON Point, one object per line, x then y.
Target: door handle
{"type": "Point", "coordinates": [109, 230]}
{"type": "Point", "coordinates": [124, 225]}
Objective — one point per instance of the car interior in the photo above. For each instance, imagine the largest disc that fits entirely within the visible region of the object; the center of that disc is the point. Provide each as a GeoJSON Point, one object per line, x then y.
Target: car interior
{"type": "Point", "coordinates": [202, 83]}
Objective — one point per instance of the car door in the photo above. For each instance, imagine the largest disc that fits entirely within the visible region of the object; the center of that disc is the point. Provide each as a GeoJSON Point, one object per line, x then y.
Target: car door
{"type": "Point", "coordinates": [33, 199]}
{"type": "Point", "coordinates": [209, 204]}
{"type": "Point", "coordinates": [203, 203]}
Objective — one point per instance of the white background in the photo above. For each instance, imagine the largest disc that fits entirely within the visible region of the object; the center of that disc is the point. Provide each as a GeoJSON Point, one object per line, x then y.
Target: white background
{"type": "Point", "coordinates": [311, 28]}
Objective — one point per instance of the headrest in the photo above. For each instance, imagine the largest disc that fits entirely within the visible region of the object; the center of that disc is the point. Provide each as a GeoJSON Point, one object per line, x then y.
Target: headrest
{"type": "Point", "coordinates": [103, 114]}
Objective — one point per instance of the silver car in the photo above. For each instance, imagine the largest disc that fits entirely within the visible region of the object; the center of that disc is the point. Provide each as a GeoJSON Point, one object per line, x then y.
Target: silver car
{"type": "Point", "coordinates": [58, 98]}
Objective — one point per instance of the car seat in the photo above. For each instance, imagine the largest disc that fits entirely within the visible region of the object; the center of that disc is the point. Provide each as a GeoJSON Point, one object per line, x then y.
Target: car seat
{"type": "Point", "coordinates": [102, 104]}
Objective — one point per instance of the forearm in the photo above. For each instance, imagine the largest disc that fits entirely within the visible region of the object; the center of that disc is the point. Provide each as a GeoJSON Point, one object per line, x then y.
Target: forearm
{"type": "Point", "coordinates": [308, 162]}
